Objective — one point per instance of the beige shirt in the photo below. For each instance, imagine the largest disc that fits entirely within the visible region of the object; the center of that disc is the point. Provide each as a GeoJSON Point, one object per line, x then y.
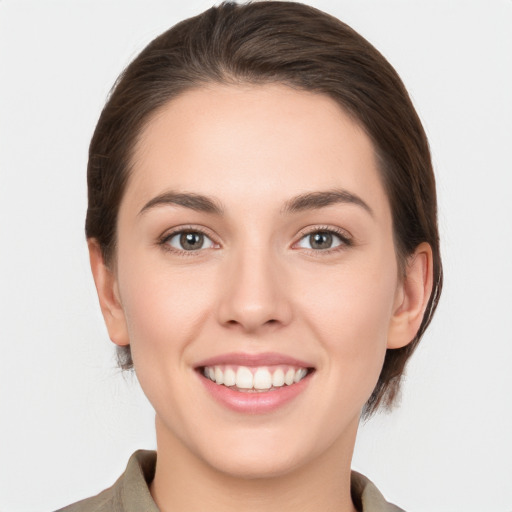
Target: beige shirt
{"type": "Point", "coordinates": [131, 491]}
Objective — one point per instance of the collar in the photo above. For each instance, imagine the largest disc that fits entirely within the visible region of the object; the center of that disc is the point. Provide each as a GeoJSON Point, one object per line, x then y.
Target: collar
{"type": "Point", "coordinates": [132, 489]}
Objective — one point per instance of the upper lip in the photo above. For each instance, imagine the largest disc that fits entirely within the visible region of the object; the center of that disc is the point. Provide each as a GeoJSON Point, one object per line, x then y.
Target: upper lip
{"type": "Point", "coordinates": [245, 359]}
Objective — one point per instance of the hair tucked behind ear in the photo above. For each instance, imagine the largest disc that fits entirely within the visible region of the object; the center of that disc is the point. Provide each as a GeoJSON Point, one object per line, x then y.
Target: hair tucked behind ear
{"type": "Point", "coordinates": [275, 42]}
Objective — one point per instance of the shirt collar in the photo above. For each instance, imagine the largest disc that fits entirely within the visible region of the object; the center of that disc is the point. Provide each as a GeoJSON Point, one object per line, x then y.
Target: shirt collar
{"type": "Point", "coordinates": [135, 495]}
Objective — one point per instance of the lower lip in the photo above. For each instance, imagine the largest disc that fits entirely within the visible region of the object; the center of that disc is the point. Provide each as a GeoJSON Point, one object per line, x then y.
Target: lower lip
{"type": "Point", "coordinates": [258, 402]}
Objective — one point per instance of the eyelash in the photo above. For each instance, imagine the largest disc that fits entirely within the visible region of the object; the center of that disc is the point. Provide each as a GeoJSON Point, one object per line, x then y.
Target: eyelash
{"type": "Point", "coordinates": [345, 239]}
{"type": "Point", "coordinates": [343, 236]}
{"type": "Point", "coordinates": [164, 240]}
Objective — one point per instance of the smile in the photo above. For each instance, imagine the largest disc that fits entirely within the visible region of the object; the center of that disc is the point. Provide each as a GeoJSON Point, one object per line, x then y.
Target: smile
{"type": "Point", "coordinates": [254, 379]}
{"type": "Point", "coordinates": [255, 383]}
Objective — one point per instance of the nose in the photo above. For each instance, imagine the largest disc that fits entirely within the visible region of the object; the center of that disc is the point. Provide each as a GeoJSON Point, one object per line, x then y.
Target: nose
{"type": "Point", "coordinates": [253, 292]}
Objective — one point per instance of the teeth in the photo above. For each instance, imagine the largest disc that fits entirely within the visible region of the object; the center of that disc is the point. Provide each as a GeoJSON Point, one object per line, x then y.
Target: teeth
{"type": "Point", "coordinates": [278, 378]}
{"type": "Point", "coordinates": [244, 378]}
{"type": "Point", "coordinates": [219, 376]}
{"type": "Point", "coordinates": [261, 378]}
{"type": "Point", "coordinates": [229, 377]}
{"type": "Point", "coordinates": [299, 375]}
{"type": "Point", "coordinates": [289, 377]}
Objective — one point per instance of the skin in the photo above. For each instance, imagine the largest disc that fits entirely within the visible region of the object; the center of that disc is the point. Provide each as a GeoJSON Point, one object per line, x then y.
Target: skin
{"type": "Point", "coordinates": [257, 287]}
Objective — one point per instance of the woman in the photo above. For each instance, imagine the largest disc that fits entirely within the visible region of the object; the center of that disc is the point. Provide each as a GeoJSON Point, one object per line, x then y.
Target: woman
{"type": "Point", "coordinates": [263, 238]}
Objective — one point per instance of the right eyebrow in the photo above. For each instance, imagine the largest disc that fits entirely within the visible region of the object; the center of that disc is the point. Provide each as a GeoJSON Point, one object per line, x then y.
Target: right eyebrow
{"type": "Point", "coordinates": [322, 199]}
{"type": "Point", "coordinates": [196, 202]}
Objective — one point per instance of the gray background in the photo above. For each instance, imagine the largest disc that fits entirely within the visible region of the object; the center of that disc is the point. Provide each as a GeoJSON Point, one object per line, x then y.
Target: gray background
{"type": "Point", "coordinates": [69, 419]}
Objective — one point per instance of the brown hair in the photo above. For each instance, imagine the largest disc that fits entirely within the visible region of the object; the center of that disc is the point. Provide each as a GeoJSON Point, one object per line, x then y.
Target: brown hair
{"type": "Point", "coordinates": [275, 42]}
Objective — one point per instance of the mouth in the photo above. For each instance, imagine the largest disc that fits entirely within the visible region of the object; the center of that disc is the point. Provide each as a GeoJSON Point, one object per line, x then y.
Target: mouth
{"type": "Point", "coordinates": [259, 379]}
{"type": "Point", "coordinates": [254, 383]}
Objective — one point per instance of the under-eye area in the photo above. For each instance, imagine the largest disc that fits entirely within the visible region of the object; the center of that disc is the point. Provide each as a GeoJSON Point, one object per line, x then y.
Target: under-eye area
{"type": "Point", "coordinates": [255, 379]}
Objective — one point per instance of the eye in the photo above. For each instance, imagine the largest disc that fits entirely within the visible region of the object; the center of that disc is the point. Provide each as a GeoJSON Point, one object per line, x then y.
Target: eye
{"type": "Point", "coordinates": [188, 241]}
{"type": "Point", "coordinates": [322, 240]}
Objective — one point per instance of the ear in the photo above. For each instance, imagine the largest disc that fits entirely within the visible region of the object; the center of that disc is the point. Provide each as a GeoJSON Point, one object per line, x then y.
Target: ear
{"type": "Point", "coordinates": [108, 295]}
{"type": "Point", "coordinates": [413, 294]}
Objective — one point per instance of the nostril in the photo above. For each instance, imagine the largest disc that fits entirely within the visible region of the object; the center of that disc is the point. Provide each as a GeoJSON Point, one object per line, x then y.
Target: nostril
{"type": "Point", "coordinates": [272, 321]}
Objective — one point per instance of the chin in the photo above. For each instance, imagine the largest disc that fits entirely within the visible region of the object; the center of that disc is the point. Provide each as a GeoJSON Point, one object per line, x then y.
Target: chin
{"type": "Point", "coordinates": [255, 464]}
{"type": "Point", "coordinates": [262, 452]}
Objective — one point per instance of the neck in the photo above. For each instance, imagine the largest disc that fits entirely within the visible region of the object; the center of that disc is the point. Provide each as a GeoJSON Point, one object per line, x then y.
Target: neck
{"type": "Point", "coordinates": [184, 482]}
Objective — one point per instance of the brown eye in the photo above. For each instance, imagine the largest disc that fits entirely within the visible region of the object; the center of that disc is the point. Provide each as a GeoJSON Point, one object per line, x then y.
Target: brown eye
{"type": "Point", "coordinates": [189, 241]}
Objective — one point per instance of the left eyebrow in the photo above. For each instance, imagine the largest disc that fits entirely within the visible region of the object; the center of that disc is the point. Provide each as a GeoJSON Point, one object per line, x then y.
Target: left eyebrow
{"type": "Point", "coordinates": [321, 199]}
{"type": "Point", "coordinates": [196, 202]}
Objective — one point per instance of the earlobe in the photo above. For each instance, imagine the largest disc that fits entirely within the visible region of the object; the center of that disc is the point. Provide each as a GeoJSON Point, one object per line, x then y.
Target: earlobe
{"type": "Point", "coordinates": [108, 295]}
{"type": "Point", "coordinates": [413, 297]}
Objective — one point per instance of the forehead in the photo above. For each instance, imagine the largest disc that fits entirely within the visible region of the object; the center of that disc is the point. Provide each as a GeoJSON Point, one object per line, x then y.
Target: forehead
{"type": "Point", "coordinates": [248, 141]}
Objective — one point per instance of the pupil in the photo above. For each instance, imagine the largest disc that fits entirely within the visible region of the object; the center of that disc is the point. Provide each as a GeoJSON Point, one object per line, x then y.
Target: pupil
{"type": "Point", "coordinates": [191, 241]}
{"type": "Point", "coordinates": [321, 240]}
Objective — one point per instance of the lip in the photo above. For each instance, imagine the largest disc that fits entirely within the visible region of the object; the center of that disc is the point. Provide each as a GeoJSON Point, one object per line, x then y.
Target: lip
{"type": "Point", "coordinates": [246, 359]}
{"type": "Point", "coordinates": [260, 402]}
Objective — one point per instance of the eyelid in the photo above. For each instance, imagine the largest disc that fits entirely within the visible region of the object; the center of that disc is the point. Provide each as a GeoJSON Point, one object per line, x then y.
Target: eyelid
{"type": "Point", "coordinates": [190, 228]}
{"type": "Point", "coordinates": [345, 237]}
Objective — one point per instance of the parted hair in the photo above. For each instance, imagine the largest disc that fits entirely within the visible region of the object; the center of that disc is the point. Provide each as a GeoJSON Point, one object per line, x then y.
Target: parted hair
{"type": "Point", "coordinates": [265, 42]}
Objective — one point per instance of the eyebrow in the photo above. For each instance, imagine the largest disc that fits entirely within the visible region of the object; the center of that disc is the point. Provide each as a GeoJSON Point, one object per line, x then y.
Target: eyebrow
{"type": "Point", "coordinates": [322, 199]}
{"type": "Point", "coordinates": [300, 203]}
{"type": "Point", "coordinates": [195, 202]}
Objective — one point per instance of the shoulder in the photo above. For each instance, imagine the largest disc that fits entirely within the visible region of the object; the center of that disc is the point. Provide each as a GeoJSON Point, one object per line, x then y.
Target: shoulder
{"type": "Point", "coordinates": [103, 502]}
{"type": "Point", "coordinates": [130, 493]}
{"type": "Point", "coordinates": [366, 496]}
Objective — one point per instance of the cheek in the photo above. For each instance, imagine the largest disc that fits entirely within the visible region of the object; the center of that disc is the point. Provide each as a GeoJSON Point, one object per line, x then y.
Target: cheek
{"type": "Point", "coordinates": [164, 309]}
{"type": "Point", "coordinates": [165, 312]}
{"type": "Point", "coordinates": [350, 312]}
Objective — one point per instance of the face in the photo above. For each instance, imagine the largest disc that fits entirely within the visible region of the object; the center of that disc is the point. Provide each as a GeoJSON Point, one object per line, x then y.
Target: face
{"type": "Point", "coordinates": [256, 276]}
